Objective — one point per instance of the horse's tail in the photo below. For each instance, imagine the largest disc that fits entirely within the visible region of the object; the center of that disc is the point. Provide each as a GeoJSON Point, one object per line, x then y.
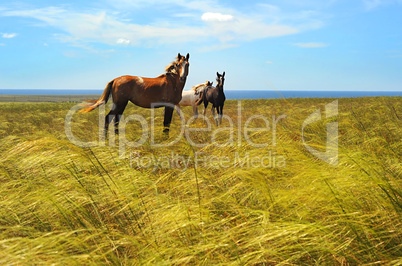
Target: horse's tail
{"type": "Point", "coordinates": [201, 99]}
{"type": "Point", "coordinates": [91, 105]}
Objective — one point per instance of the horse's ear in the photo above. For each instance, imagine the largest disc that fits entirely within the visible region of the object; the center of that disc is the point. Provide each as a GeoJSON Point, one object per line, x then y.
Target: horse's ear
{"type": "Point", "coordinates": [217, 73]}
{"type": "Point", "coordinates": [179, 56]}
{"type": "Point", "coordinates": [223, 75]}
{"type": "Point", "coordinates": [188, 56]}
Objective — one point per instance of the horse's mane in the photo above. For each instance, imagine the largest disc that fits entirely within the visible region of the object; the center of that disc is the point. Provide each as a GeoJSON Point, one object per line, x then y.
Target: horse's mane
{"type": "Point", "coordinates": [171, 68]}
{"type": "Point", "coordinates": [196, 87]}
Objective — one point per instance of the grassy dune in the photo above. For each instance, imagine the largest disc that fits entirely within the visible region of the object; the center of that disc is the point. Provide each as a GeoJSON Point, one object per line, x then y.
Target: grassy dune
{"type": "Point", "coordinates": [235, 204]}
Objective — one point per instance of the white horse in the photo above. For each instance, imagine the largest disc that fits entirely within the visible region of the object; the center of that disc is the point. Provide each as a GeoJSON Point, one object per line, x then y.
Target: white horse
{"type": "Point", "coordinates": [191, 97]}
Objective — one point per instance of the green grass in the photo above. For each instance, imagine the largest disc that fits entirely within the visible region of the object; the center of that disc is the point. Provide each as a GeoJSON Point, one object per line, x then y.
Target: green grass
{"type": "Point", "coordinates": [63, 204]}
{"type": "Point", "coordinates": [46, 98]}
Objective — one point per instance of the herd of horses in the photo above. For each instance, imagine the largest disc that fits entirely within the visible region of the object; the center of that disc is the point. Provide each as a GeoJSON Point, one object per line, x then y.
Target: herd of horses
{"type": "Point", "coordinates": [165, 91]}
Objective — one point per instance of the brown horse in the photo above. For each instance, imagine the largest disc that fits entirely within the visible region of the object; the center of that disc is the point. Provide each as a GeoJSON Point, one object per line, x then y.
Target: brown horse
{"type": "Point", "coordinates": [162, 91]}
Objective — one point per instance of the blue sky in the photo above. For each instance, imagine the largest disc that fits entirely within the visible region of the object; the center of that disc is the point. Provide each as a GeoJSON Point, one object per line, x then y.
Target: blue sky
{"type": "Point", "coordinates": [262, 45]}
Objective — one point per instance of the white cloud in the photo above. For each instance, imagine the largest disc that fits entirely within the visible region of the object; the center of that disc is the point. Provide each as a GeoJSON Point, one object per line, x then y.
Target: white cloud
{"type": "Point", "coordinates": [123, 41]}
{"type": "Point", "coordinates": [48, 14]}
{"type": "Point", "coordinates": [80, 28]}
{"type": "Point", "coordinates": [311, 45]}
{"type": "Point", "coordinates": [199, 5]}
{"type": "Point", "coordinates": [9, 35]}
{"type": "Point", "coordinates": [269, 62]}
{"type": "Point", "coordinates": [224, 28]}
{"type": "Point", "coordinates": [211, 17]}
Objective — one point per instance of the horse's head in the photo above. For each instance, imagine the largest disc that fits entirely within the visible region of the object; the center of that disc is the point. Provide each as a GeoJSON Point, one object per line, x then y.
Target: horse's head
{"type": "Point", "coordinates": [182, 66]}
{"type": "Point", "coordinates": [220, 79]}
{"type": "Point", "coordinates": [179, 67]}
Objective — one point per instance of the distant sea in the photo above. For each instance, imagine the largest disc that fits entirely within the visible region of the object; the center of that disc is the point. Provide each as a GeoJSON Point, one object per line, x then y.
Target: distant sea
{"type": "Point", "coordinates": [231, 94]}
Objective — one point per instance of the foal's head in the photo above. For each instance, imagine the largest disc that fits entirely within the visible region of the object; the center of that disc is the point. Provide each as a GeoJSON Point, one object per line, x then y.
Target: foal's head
{"type": "Point", "coordinates": [220, 79]}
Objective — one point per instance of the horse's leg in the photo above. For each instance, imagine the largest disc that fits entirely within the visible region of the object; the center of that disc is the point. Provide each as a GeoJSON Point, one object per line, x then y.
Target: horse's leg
{"type": "Point", "coordinates": [167, 119]}
{"type": "Point", "coordinates": [178, 111]}
{"type": "Point", "coordinates": [119, 112]}
{"type": "Point", "coordinates": [116, 123]}
{"type": "Point", "coordinates": [108, 118]}
{"type": "Point", "coordinates": [205, 110]}
{"type": "Point", "coordinates": [213, 113]}
{"type": "Point", "coordinates": [217, 115]}
{"type": "Point", "coordinates": [115, 114]}
{"type": "Point", "coordinates": [220, 113]}
{"type": "Point", "coordinates": [195, 111]}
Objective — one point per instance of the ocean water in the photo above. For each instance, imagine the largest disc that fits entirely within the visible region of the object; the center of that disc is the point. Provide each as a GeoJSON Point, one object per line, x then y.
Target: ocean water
{"type": "Point", "coordinates": [306, 94]}
{"type": "Point", "coordinates": [231, 94]}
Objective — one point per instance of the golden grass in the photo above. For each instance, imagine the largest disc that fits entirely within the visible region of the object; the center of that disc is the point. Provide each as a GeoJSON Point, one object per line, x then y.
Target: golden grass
{"type": "Point", "coordinates": [64, 204]}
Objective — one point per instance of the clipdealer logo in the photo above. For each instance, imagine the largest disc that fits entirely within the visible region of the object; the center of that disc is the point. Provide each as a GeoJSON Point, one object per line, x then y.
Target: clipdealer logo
{"type": "Point", "coordinates": [175, 160]}
{"type": "Point", "coordinates": [237, 134]}
{"type": "Point", "coordinates": [330, 155]}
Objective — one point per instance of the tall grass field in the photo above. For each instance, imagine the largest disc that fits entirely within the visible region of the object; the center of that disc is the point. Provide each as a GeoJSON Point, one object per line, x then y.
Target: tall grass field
{"type": "Point", "coordinates": [248, 192]}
